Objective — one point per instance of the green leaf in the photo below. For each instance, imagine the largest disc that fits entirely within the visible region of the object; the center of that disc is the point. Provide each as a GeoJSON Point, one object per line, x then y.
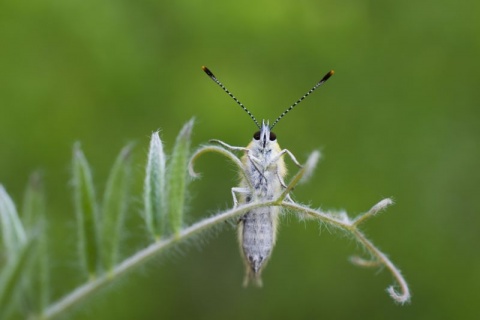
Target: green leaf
{"type": "Point", "coordinates": [13, 233]}
{"type": "Point", "coordinates": [154, 194]}
{"type": "Point", "coordinates": [86, 212]}
{"type": "Point", "coordinates": [177, 177]}
{"type": "Point", "coordinates": [115, 202]}
{"type": "Point", "coordinates": [12, 275]}
{"type": "Point", "coordinates": [33, 213]}
{"type": "Point", "coordinates": [33, 209]}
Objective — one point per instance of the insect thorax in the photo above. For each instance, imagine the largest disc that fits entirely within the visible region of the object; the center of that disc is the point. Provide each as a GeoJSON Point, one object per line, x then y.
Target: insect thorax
{"type": "Point", "coordinates": [263, 173]}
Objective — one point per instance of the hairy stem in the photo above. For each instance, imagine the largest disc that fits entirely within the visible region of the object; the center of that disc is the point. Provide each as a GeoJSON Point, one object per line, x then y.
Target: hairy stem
{"type": "Point", "coordinates": [141, 257]}
{"type": "Point", "coordinates": [351, 227]}
{"type": "Point", "coordinates": [404, 295]}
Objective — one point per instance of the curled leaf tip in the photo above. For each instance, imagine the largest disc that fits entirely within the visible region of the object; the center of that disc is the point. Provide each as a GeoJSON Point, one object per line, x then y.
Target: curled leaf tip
{"type": "Point", "coordinates": [401, 298]}
{"type": "Point", "coordinates": [192, 172]}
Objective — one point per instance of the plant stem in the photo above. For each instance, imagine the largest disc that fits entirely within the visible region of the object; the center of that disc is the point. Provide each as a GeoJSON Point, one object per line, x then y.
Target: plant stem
{"type": "Point", "coordinates": [402, 297]}
{"type": "Point", "coordinates": [351, 226]}
{"type": "Point", "coordinates": [142, 256]}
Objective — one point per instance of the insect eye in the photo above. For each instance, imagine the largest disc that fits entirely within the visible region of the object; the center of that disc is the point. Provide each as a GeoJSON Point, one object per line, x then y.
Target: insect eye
{"type": "Point", "coordinates": [256, 135]}
{"type": "Point", "coordinates": [273, 136]}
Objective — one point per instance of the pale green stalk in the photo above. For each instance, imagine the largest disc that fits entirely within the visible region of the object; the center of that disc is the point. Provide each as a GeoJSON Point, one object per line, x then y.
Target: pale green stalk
{"type": "Point", "coordinates": [141, 257]}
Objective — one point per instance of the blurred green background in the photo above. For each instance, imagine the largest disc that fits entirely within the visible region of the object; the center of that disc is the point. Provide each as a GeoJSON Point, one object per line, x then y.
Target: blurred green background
{"type": "Point", "coordinates": [399, 118]}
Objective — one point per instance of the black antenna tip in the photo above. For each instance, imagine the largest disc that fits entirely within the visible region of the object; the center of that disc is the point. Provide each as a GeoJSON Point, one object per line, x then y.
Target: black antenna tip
{"type": "Point", "coordinates": [208, 72]}
{"type": "Point", "coordinates": [328, 75]}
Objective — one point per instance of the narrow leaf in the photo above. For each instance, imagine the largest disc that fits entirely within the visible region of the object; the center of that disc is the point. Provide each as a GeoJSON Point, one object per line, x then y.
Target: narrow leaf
{"type": "Point", "coordinates": [86, 212]}
{"type": "Point", "coordinates": [177, 177]}
{"type": "Point", "coordinates": [310, 166]}
{"type": "Point", "coordinates": [12, 275]}
{"type": "Point", "coordinates": [33, 213]}
{"type": "Point", "coordinates": [115, 203]}
{"type": "Point", "coordinates": [154, 194]}
{"type": "Point", "coordinates": [33, 208]}
{"type": "Point", "coordinates": [13, 233]}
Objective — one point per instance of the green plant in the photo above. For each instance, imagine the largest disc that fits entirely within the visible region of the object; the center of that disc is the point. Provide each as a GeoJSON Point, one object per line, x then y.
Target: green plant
{"type": "Point", "coordinates": [99, 225]}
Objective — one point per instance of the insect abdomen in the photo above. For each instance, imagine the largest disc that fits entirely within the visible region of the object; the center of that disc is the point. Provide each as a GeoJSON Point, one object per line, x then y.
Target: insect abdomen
{"type": "Point", "coordinates": [258, 239]}
{"type": "Point", "coordinates": [257, 230]}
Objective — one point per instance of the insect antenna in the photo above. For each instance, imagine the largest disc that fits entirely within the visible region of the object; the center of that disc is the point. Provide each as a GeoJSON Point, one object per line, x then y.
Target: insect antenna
{"type": "Point", "coordinates": [325, 78]}
{"type": "Point", "coordinates": [210, 74]}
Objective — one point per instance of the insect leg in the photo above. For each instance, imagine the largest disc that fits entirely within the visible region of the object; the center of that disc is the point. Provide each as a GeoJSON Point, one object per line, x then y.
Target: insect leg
{"type": "Point", "coordinates": [281, 153]}
{"type": "Point", "coordinates": [229, 146]}
{"type": "Point", "coordinates": [236, 190]}
{"type": "Point", "coordinates": [282, 183]}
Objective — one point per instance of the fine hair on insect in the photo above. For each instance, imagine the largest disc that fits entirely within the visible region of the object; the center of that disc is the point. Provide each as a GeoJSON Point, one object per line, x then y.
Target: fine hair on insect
{"type": "Point", "coordinates": [262, 179]}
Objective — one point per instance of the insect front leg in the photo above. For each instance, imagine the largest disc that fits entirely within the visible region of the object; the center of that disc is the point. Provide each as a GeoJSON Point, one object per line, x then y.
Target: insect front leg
{"type": "Point", "coordinates": [226, 145]}
{"type": "Point", "coordinates": [240, 190]}
{"type": "Point", "coordinates": [284, 186]}
{"type": "Point", "coordinates": [281, 153]}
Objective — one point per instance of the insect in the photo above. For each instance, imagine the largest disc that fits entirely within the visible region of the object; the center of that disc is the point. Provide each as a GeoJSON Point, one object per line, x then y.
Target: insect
{"type": "Point", "coordinates": [265, 170]}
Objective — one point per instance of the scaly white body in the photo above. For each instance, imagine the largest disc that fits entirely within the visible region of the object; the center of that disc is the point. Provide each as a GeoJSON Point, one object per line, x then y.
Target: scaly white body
{"type": "Point", "coordinates": [257, 228]}
{"type": "Point", "coordinates": [261, 181]}
{"type": "Point", "coordinates": [264, 167]}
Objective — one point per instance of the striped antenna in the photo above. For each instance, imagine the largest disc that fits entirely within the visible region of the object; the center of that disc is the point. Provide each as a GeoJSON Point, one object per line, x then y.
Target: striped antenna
{"type": "Point", "coordinates": [210, 74]}
{"type": "Point", "coordinates": [325, 78]}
